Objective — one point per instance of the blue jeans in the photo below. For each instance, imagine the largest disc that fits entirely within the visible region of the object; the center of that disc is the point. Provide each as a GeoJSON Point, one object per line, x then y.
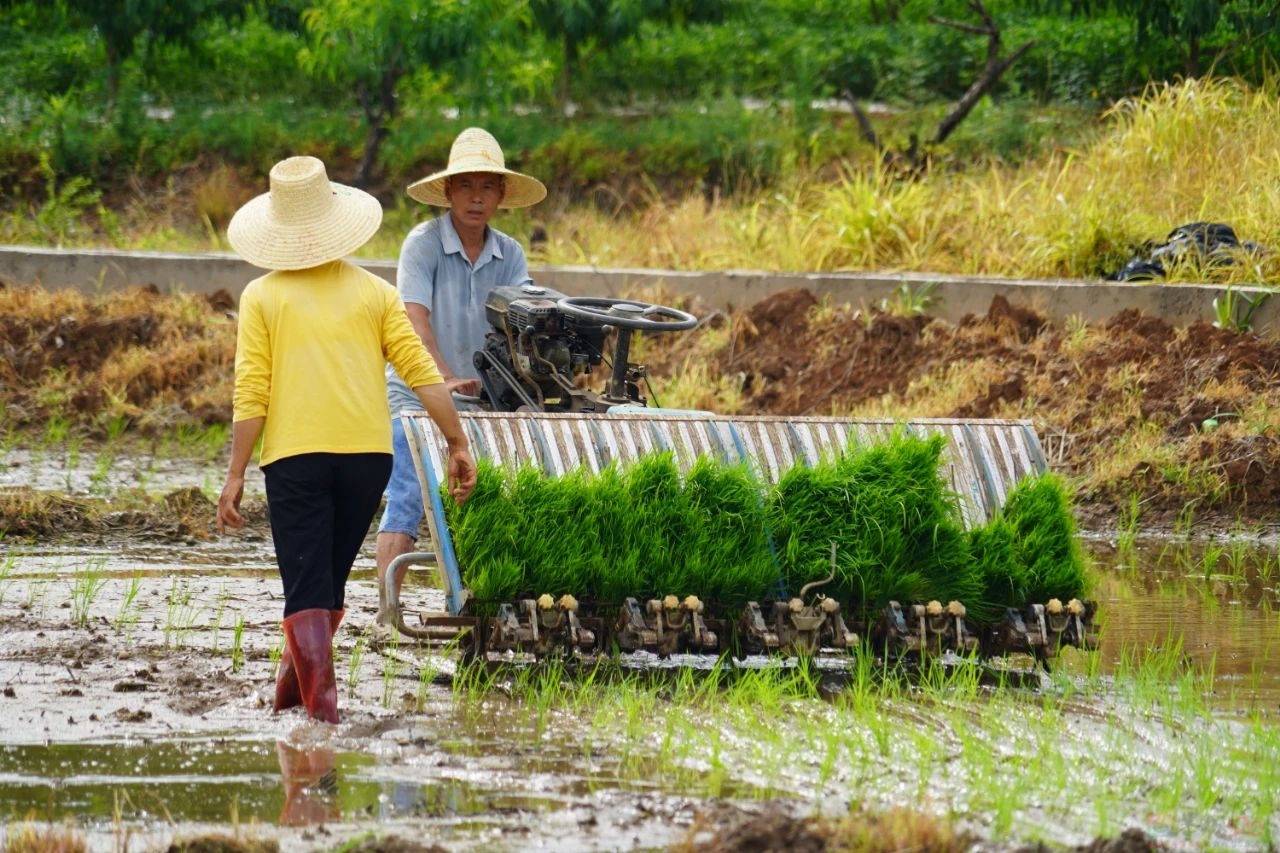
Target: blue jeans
{"type": "Point", "coordinates": [404, 510]}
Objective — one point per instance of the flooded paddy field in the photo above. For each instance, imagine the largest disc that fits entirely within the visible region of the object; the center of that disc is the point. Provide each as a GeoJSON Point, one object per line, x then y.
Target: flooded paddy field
{"type": "Point", "coordinates": [136, 672]}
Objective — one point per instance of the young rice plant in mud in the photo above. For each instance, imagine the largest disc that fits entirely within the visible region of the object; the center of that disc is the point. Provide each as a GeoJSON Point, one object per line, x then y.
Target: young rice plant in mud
{"type": "Point", "coordinates": [182, 612]}
{"type": "Point", "coordinates": [353, 663]}
{"type": "Point", "coordinates": [127, 617]}
{"type": "Point", "coordinates": [391, 667]}
{"type": "Point", "coordinates": [85, 586]}
{"type": "Point", "coordinates": [237, 644]}
{"type": "Point", "coordinates": [6, 569]}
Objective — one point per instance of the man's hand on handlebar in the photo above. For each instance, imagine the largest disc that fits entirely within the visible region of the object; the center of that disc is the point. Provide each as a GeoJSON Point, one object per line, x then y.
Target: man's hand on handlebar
{"type": "Point", "coordinates": [465, 387]}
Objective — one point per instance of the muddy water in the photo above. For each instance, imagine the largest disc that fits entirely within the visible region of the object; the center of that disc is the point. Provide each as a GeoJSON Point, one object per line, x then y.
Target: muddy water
{"type": "Point", "coordinates": [135, 686]}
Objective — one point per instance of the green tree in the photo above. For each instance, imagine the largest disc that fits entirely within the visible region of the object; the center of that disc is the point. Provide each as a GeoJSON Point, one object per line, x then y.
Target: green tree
{"type": "Point", "coordinates": [1201, 29]}
{"type": "Point", "coordinates": [127, 27]}
{"type": "Point", "coordinates": [371, 46]}
{"type": "Point", "coordinates": [579, 26]}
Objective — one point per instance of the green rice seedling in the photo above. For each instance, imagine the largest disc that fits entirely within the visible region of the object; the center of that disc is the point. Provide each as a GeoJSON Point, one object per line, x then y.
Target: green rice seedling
{"type": "Point", "coordinates": [488, 536]}
{"type": "Point", "coordinates": [6, 569]}
{"type": "Point", "coordinates": [1210, 556]}
{"type": "Point", "coordinates": [182, 611]}
{"type": "Point", "coordinates": [429, 669]}
{"type": "Point", "coordinates": [896, 530]}
{"type": "Point", "coordinates": [390, 670]}
{"type": "Point", "coordinates": [1184, 525]}
{"type": "Point", "coordinates": [1239, 546]}
{"type": "Point", "coordinates": [73, 451]}
{"type": "Point", "coordinates": [56, 430]}
{"type": "Point", "coordinates": [215, 624]}
{"type": "Point", "coordinates": [116, 427]}
{"type": "Point", "coordinates": [661, 521]}
{"type": "Point", "coordinates": [1267, 569]}
{"type": "Point", "coordinates": [1039, 510]}
{"type": "Point", "coordinates": [237, 645]}
{"type": "Point", "coordinates": [1004, 575]}
{"type": "Point", "coordinates": [203, 442]}
{"type": "Point", "coordinates": [561, 555]}
{"type": "Point", "coordinates": [127, 617]}
{"type": "Point", "coordinates": [37, 596]}
{"type": "Point", "coordinates": [86, 583]}
{"type": "Point", "coordinates": [608, 535]}
{"type": "Point", "coordinates": [353, 664]}
{"type": "Point", "coordinates": [1127, 537]}
{"type": "Point", "coordinates": [276, 652]}
{"type": "Point", "coordinates": [101, 470]}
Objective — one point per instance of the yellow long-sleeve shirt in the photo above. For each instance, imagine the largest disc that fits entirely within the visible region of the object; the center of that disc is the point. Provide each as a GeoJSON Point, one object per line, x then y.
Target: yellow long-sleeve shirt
{"type": "Point", "coordinates": [311, 347]}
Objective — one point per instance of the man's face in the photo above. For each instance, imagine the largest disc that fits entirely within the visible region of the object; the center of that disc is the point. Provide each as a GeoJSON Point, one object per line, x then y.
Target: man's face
{"type": "Point", "coordinates": [475, 196]}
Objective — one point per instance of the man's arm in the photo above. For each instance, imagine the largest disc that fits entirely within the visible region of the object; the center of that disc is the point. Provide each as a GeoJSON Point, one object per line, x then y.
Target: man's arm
{"type": "Point", "coordinates": [420, 317]}
{"type": "Point", "coordinates": [437, 401]}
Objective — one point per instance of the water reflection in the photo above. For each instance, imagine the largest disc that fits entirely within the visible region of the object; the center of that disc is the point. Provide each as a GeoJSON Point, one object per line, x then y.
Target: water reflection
{"type": "Point", "coordinates": [1212, 606]}
{"type": "Point", "coordinates": [310, 779]}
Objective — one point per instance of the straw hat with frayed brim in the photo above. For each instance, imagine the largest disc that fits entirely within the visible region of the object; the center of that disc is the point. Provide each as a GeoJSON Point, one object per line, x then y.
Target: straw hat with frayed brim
{"type": "Point", "coordinates": [305, 220]}
{"type": "Point", "coordinates": [475, 150]}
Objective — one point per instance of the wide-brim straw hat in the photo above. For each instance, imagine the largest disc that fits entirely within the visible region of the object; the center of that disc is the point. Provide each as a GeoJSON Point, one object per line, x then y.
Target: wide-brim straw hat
{"type": "Point", "coordinates": [305, 220]}
{"type": "Point", "coordinates": [475, 150]}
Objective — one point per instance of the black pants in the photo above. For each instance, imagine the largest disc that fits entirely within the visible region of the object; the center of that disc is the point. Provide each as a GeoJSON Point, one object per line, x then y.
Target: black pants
{"type": "Point", "coordinates": [321, 506]}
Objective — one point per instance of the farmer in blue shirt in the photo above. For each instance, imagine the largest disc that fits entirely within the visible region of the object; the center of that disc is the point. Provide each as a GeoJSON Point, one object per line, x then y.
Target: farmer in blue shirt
{"type": "Point", "coordinates": [448, 267]}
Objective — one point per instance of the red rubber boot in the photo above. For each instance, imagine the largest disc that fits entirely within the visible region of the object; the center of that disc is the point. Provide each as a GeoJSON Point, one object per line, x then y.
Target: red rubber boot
{"type": "Point", "coordinates": [288, 693]}
{"type": "Point", "coordinates": [309, 638]}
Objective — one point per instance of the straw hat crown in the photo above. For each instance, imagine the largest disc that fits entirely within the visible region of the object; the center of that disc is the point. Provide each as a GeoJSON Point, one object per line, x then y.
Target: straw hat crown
{"type": "Point", "coordinates": [305, 220]}
{"type": "Point", "coordinates": [475, 150]}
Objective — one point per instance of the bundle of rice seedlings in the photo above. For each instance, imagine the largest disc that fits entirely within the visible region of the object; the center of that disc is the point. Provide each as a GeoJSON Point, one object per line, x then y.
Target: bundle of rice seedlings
{"type": "Point", "coordinates": [895, 527]}
{"type": "Point", "coordinates": [556, 556]}
{"type": "Point", "coordinates": [1004, 576]}
{"type": "Point", "coordinates": [487, 536]}
{"type": "Point", "coordinates": [646, 531]}
{"type": "Point", "coordinates": [1039, 511]}
{"type": "Point", "coordinates": [728, 557]}
{"type": "Point", "coordinates": [609, 521]}
{"type": "Point", "coordinates": [660, 526]}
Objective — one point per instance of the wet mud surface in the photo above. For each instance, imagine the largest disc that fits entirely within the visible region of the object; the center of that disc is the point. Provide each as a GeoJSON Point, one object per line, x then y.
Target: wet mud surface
{"type": "Point", "coordinates": [137, 647]}
{"type": "Point", "coordinates": [136, 680]}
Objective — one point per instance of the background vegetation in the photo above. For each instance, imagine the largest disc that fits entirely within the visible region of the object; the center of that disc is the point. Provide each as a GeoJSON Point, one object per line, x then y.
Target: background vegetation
{"type": "Point", "coordinates": [145, 124]}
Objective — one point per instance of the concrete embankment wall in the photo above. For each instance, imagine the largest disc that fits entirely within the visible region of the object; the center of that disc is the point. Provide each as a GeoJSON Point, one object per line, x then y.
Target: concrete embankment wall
{"type": "Point", "coordinates": [952, 296]}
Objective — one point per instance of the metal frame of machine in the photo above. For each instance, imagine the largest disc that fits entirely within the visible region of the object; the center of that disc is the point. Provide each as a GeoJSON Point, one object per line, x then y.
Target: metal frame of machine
{"type": "Point", "coordinates": [983, 461]}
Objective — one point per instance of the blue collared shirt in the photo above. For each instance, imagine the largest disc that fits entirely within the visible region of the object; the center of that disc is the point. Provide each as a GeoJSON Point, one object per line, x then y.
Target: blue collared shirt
{"type": "Point", "coordinates": [435, 272]}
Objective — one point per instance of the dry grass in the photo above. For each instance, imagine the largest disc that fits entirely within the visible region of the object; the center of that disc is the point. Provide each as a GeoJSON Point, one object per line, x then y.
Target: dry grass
{"type": "Point", "coordinates": [1191, 151]}
{"type": "Point", "coordinates": [136, 356]}
{"type": "Point", "coordinates": [29, 837]}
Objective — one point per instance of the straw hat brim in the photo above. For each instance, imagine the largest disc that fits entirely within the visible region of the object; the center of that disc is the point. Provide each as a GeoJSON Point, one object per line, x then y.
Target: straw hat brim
{"type": "Point", "coordinates": [259, 237]}
{"type": "Point", "coordinates": [522, 190]}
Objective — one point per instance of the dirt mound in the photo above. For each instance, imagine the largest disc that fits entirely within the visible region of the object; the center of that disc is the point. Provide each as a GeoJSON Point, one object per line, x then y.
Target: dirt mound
{"type": "Point", "coordinates": [179, 516]}
{"type": "Point", "coordinates": [1129, 408]}
{"type": "Point", "coordinates": [1135, 412]}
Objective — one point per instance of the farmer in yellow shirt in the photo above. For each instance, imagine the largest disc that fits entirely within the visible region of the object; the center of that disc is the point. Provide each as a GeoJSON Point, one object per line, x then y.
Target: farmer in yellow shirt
{"type": "Point", "coordinates": [313, 337]}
